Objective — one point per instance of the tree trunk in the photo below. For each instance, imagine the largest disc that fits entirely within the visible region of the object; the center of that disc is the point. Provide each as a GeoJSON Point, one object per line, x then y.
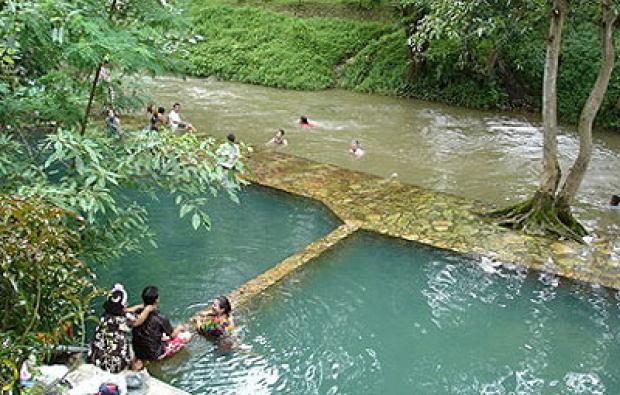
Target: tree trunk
{"type": "Point", "coordinates": [416, 53]}
{"type": "Point", "coordinates": [592, 105]}
{"type": "Point", "coordinates": [545, 213]}
{"type": "Point", "coordinates": [93, 87]}
{"type": "Point", "coordinates": [551, 168]}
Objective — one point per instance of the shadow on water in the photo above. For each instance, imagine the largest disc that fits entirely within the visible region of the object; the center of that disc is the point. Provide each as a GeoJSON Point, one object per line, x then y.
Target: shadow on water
{"type": "Point", "coordinates": [491, 157]}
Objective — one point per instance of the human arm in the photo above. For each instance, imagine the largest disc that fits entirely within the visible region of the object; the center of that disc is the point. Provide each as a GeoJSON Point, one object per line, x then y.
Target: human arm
{"type": "Point", "coordinates": [143, 315]}
{"type": "Point", "coordinates": [177, 331]}
{"type": "Point", "coordinates": [134, 309]}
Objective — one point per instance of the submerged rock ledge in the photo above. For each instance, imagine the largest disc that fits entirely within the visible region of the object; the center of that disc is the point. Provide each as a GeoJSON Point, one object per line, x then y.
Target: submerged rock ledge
{"type": "Point", "coordinates": [386, 206]}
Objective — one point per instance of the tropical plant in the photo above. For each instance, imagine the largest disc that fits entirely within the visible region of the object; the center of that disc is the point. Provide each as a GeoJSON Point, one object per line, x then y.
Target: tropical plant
{"type": "Point", "coordinates": [467, 26]}
{"type": "Point", "coordinates": [44, 286]}
{"type": "Point", "coordinates": [269, 48]}
{"type": "Point", "coordinates": [63, 180]}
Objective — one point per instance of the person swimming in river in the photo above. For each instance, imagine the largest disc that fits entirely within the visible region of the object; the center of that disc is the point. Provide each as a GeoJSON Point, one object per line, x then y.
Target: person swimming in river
{"type": "Point", "coordinates": [355, 148]}
{"type": "Point", "coordinates": [278, 139]}
{"type": "Point", "coordinates": [303, 121]}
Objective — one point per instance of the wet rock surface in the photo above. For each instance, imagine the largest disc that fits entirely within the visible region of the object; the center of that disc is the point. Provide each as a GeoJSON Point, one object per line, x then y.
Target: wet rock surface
{"type": "Point", "coordinates": [386, 206]}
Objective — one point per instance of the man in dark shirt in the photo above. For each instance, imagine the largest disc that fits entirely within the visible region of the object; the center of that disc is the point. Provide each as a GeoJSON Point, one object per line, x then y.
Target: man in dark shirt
{"type": "Point", "coordinates": [155, 339]}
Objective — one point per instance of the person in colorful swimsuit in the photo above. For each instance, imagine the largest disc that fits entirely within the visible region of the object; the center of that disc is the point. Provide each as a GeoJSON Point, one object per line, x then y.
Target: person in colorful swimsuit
{"type": "Point", "coordinates": [217, 323]}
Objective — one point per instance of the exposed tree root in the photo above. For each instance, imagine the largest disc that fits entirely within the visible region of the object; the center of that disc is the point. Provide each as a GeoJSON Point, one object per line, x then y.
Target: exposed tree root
{"type": "Point", "coordinates": [542, 215]}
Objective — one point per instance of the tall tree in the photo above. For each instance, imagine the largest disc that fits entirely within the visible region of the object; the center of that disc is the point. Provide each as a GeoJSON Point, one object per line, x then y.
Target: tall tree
{"type": "Point", "coordinates": [465, 23]}
{"type": "Point", "coordinates": [549, 210]}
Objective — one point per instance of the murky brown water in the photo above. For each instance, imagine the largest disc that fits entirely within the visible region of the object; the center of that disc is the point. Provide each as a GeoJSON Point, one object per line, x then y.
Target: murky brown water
{"type": "Point", "coordinates": [492, 157]}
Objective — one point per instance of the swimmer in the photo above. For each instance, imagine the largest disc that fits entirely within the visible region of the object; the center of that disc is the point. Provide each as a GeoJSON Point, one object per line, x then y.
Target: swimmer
{"type": "Point", "coordinates": [217, 320]}
{"type": "Point", "coordinates": [303, 121]}
{"type": "Point", "coordinates": [217, 323]}
{"type": "Point", "coordinates": [614, 201]}
{"type": "Point", "coordinates": [278, 139]}
{"type": "Point", "coordinates": [355, 148]}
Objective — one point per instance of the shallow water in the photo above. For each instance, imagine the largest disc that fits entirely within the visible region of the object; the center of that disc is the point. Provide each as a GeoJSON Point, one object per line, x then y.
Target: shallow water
{"type": "Point", "coordinates": [378, 315]}
{"type": "Point", "coordinates": [488, 156]}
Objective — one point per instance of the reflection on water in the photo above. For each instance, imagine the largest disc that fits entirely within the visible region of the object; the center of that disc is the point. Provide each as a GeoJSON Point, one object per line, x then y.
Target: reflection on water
{"type": "Point", "coordinates": [485, 156]}
{"type": "Point", "coordinates": [377, 315]}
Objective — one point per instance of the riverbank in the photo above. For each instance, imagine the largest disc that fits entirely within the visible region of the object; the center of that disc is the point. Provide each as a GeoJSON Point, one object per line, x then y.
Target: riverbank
{"type": "Point", "coordinates": [363, 47]}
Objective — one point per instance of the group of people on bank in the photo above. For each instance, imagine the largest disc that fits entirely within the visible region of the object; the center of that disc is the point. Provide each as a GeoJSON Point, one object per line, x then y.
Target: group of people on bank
{"type": "Point", "coordinates": [228, 153]}
{"type": "Point", "coordinates": [128, 337]}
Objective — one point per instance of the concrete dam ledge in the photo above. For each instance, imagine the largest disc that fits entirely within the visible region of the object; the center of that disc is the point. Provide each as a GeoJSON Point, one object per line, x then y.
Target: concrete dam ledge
{"type": "Point", "coordinates": [386, 206]}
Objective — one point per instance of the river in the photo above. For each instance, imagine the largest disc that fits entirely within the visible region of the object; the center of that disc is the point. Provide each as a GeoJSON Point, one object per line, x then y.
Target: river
{"type": "Point", "coordinates": [493, 157]}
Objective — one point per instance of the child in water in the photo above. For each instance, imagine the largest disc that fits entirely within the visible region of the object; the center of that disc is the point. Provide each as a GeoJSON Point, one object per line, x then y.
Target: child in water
{"type": "Point", "coordinates": [217, 321]}
{"type": "Point", "coordinates": [278, 139]}
{"type": "Point", "coordinates": [355, 148]}
{"type": "Point", "coordinates": [303, 121]}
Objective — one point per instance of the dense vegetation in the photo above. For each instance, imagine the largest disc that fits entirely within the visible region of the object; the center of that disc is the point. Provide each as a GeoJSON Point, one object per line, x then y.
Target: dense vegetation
{"type": "Point", "coordinates": [64, 206]}
{"type": "Point", "coordinates": [63, 178]}
{"type": "Point", "coordinates": [249, 45]}
{"type": "Point", "coordinates": [501, 67]}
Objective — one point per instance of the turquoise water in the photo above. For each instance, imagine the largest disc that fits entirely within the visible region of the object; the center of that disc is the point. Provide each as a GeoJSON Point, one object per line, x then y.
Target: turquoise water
{"type": "Point", "coordinates": [192, 267]}
{"type": "Point", "coordinates": [377, 315]}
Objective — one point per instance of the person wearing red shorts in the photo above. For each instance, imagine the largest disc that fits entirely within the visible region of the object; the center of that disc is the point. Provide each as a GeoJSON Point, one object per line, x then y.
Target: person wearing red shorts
{"type": "Point", "coordinates": [156, 339]}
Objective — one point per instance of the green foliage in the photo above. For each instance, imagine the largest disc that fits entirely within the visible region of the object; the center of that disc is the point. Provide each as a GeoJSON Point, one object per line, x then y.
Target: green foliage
{"type": "Point", "coordinates": [581, 57]}
{"type": "Point", "coordinates": [73, 208]}
{"type": "Point", "coordinates": [64, 199]}
{"type": "Point", "coordinates": [87, 176]}
{"type": "Point", "coordinates": [478, 54]}
{"type": "Point", "coordinates": [44, 287]}
{"type": "Point", "coordinates": [263, 47]}
{"type": "Point", "coordinates": [53, 48]}
{"type": "Point", "coordinates": [378, 68]}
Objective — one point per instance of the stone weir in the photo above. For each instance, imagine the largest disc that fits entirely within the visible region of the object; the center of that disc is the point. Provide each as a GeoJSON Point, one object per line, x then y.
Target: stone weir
{"type": "Point", "coordinates": [367, 202]}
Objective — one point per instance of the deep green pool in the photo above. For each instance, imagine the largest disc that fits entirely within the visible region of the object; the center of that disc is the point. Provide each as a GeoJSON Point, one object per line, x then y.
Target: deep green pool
{"type": "Point", "coordinates": [382, 316]}
{"type": "Point", "coordinates": [192, 267]}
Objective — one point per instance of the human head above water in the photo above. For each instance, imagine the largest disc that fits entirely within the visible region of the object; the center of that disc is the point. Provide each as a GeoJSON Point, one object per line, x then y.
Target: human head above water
{"type": "Point", "coordinates": [150, 295]}
{"type": "Point", "coordinates": [224, 304]}
{"type": "Point", "coordinates": [303, 120]}
{"type": "Point", "coordinates": [615, 200]}
{"type": "Point", "coordinates": [280, 132]}
{"type": "Point", "coordinates": [231, 138]}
